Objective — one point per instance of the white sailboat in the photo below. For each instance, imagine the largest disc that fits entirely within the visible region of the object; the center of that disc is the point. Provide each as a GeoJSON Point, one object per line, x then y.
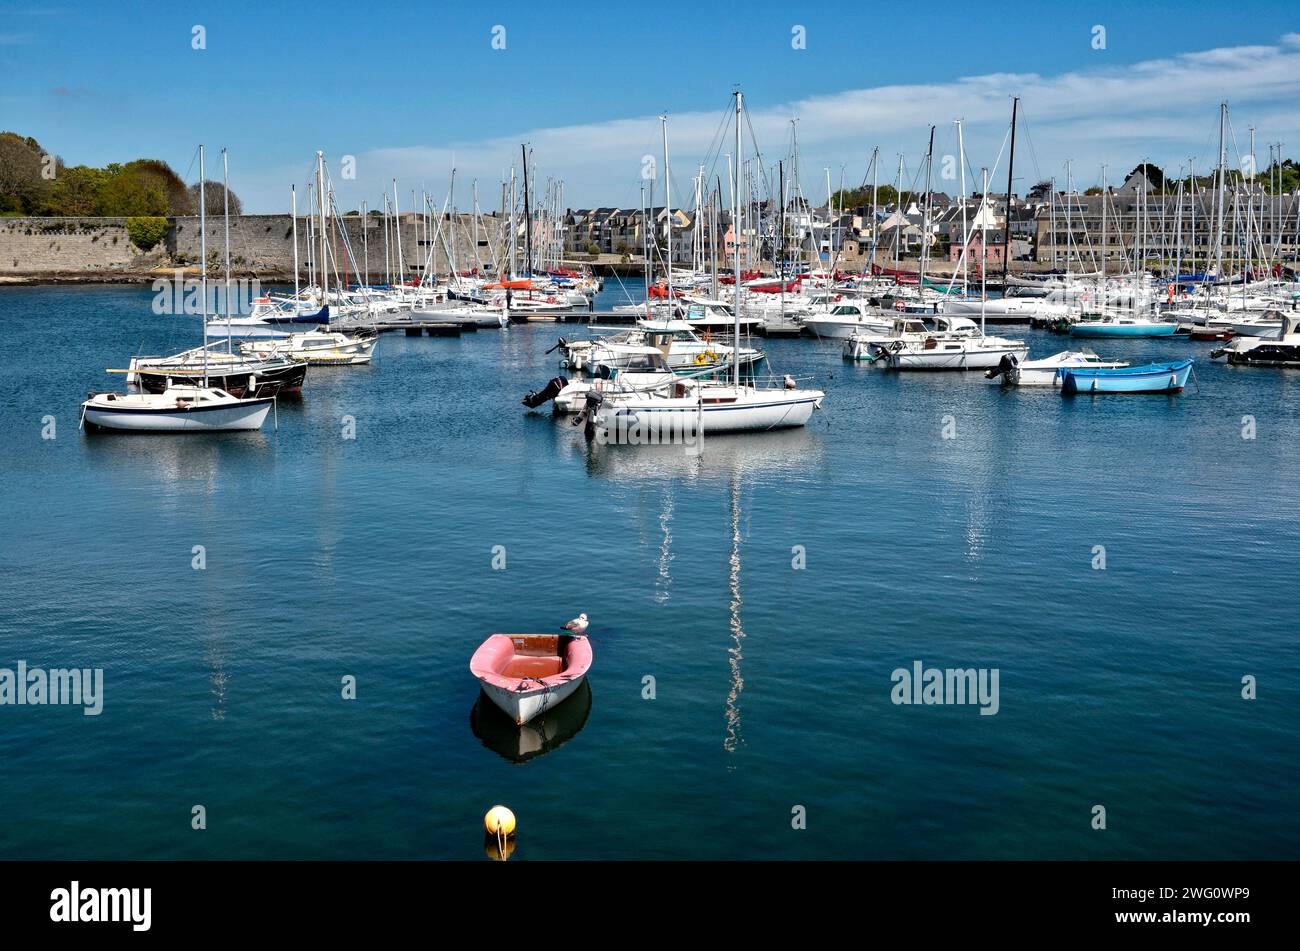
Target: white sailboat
{"type": "Point", "coordinates": [692, 407]}
{"type": "Point", "coordinates": [184, 408]}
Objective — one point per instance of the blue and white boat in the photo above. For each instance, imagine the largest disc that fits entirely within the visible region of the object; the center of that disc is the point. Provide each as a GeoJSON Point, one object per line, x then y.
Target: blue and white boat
{"type": "Point", "coordinates": [1122, 326]}
{"type": "Point", "coordinates": [1148, 378]}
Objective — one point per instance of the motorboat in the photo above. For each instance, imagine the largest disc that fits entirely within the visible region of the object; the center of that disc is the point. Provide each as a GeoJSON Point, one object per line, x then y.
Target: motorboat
{"type": "Point", "coordinates": [956, 344]}
{"type": "Point", "coordinates": [1283, 350]}
{"type": "Point", "coordinates": [848, 317]}
{"type": "Point", "coordinates": [317, 347]}
{"type": "Point", "coordinates": [526, 674]}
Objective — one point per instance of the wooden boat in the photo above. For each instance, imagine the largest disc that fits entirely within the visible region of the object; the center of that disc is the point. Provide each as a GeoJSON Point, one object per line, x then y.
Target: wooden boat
{"type": "Point", "coordinates": [525, 674]}
{"type": "Point", "coordinates": [1148, 378]}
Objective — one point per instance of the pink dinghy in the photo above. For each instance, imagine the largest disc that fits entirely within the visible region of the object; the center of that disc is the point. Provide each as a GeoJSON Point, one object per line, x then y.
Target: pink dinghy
{"type": "Point", "coordinates": [525, 674]}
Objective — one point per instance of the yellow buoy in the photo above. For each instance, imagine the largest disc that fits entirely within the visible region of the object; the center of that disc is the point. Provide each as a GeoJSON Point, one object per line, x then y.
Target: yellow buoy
{"type": "Point", "coordinates": [499, 821]}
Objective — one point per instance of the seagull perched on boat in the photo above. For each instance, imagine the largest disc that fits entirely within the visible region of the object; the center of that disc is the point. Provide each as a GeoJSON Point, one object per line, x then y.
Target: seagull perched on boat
{"type": "Point", "coordinates": [577, 626]}
{"type": "Point", "coordinates": [789, 382]}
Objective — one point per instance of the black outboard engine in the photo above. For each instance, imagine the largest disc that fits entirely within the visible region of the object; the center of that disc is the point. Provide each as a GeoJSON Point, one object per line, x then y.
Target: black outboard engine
{"type": "Point", "coordinates": [1005, 366]}
{"type": "Point", "coordinates": [587, 418]}
{"type": "Point", "coordinates": [536, 398]}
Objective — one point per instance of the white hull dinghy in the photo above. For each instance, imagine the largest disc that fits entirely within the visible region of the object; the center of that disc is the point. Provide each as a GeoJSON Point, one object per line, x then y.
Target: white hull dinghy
{"type": "Point", "coordinates": [526, 674]}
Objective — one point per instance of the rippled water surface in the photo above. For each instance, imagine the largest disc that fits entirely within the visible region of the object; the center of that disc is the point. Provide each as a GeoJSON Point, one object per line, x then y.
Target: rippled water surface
{"type": "Point", "coordinates": [372, 557]}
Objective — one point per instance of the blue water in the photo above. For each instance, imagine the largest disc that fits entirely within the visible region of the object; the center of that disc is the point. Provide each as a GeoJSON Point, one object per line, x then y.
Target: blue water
{"type": "Point", "coordinates": [372, 557]}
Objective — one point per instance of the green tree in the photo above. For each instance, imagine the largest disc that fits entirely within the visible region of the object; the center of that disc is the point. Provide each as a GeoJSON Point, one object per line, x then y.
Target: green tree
{"type": "Point", "coordinates": [22, 186]}
{"type": "Point", "coordinates": [146, 232]}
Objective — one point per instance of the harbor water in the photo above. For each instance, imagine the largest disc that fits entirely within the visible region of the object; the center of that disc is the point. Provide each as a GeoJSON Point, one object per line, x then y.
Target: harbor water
{"type": "Point", "coordinates": [1124, 563]}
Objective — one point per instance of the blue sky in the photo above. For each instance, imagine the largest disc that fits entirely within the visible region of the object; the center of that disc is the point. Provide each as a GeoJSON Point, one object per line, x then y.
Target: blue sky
{"type": "Point", "coordinates": [409, 88]}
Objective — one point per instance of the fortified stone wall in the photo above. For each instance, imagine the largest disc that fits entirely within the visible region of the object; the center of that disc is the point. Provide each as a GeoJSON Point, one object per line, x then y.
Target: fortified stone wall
{"type": "Point", "coordinates": [91, 248]}
{"type": "Point", "coordinates": [37, 246]}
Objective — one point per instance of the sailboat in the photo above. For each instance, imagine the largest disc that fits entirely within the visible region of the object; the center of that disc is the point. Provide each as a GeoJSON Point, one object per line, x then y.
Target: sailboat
{"type": "Point", "coordinates": [695, 406]}
{"type": "Point", "coordinates": [183, 407]}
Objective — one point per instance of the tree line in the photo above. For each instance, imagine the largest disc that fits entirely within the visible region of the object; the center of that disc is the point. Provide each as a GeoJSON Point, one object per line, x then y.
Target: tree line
{"type": "Point", "coordinates": [35, 182]}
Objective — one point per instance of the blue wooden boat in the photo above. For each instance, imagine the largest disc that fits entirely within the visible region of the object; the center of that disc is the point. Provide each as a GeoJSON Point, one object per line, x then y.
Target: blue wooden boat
{"type": "Point", "coordinates": [1149, 378]}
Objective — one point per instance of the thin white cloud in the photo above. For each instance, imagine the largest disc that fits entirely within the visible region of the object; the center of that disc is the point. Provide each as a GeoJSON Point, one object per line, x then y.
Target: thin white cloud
{"type": "Point", "coordinates": [1162, 109]}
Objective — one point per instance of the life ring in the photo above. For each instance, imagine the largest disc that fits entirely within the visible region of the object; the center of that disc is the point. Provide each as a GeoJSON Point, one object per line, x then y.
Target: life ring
{"type": "Point", "coordinates": [899, 305]}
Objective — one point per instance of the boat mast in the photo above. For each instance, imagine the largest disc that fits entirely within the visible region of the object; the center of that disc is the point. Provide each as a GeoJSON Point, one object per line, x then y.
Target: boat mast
{"type": "Point", "coordinates": [925, 217]}
{"type": "Point", "coordinates": [735, 348]}
{"type": "Point", "coordinates": [1218, 238]}
{"type": "Point", "coordinates": [365, 241]}
{"type": "Point", "coordinates": [984, 249]}
{"type": "Point", "coordinates": [397, 228]}
{"type": "Point", "coordinates": [875, 216]}
{"type": "Point", "coordinates": [1103, 239]}
{"type": "Point", "coordinates": [961, 161]}
{"type": "Point", "coordinates": [778, 256]}
{"type": "Point", "coordinates": [322, 266]}
{"type": "Point", "coordinates": [528, 218]}
{"type": "Point", "coordinates": [1011, 167]}
{"type": "Point", "coordinates": [225, 195]}
{"type": "Point", "coordinates": [203, 256]}
{"type": "Point", "coordinates": [668, 212]}
{"type": "Point", "coordinates": [293, 213]}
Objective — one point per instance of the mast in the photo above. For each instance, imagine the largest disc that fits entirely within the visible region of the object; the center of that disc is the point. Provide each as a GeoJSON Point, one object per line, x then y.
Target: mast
{"type": "Point", "coordinates": [925, 216]}
{"type": "Point", "coordinates": [1011, 167]}
{"type": "Point", "coordinates": [293, 213]}
{"type": "Point", "coordinates": [779, 255]}
{"type": "Point", "coordinates": [322, 266]}
{"type": "Point", "coordinates": [225, 195]}
{"type": "Point", "coordinates": [528, 219]}
{"type": "Point", "coordinates": [668, 211]}
{"type": "Point", "coordinates": [1218, 238]}
{"type": "Point", "coordinates": [735, 348]}
{"type": "Point", "coordinates": [961, 161]}
{"type": "Point", "coordinates": [203, 256]}
{"type": "Point", "coordinates": [875, 215]}
{"type": "Point", "coordinates": [365, 241]}
{"type": "Point", "coordinates": [984, 249]}
{"type": "Point", "coordinates": [397, 228]}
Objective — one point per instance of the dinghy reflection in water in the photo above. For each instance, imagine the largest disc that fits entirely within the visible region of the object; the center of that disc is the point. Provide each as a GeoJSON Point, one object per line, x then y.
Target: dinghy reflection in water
{"type": "Point", "coordinates": [539, 736]}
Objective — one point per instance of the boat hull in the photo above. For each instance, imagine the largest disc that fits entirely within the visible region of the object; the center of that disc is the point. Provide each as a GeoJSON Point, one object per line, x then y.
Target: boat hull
{"type": "Point", "coordinates": [250, 414]}
{"type": "Point", "coordinates": [938, 359]}
{"type": "Point", "coordinates": [284, 379]}
{"type": "Point", "coordinates": [527, 674]}
{"type": "Point", "coordinates": [1152, 378]}
{"type": "Point", "coordinates": [667, 420]}
{"type": "Point", "coordinates": [1158, 329]}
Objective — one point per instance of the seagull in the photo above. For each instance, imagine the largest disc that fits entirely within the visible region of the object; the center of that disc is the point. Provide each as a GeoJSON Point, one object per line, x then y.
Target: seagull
{"type": "Point", "coordinates": [789, 382]}
{"type": "Point", "coordinates": [578, 625]}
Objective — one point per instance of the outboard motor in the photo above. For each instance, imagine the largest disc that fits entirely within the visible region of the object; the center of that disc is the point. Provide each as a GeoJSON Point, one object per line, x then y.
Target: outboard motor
{"type": "Point", "coordinates": [536, 398]}
{"type": "Point", "coordinates": [1005, 366]}
{"type": "Point", "coordinates": [587, 418]}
